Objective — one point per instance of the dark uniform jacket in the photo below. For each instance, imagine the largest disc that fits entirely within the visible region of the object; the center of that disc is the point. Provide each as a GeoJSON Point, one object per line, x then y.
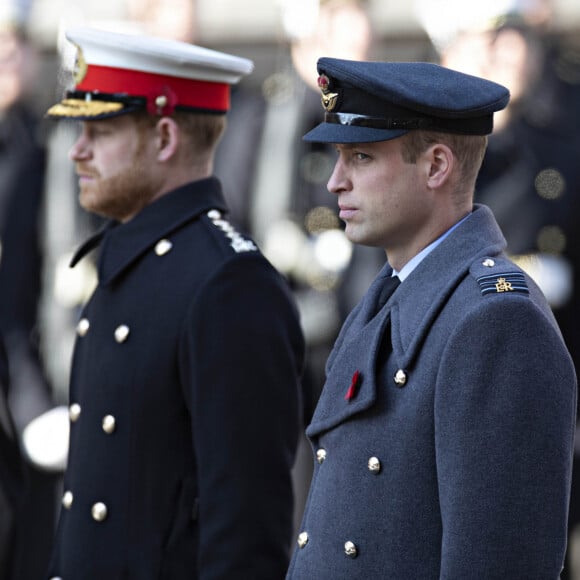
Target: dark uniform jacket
{"type": "Point", "coordinates": [450, 456]}
{"type": "Point", "coordinates": [13, 478]}
{"type": "Point", "coordinates": [184, 403]}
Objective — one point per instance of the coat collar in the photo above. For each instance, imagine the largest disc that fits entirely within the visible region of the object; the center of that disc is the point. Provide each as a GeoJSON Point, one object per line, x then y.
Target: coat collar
{"type": "Point", "coordinates": [427, 289]}
{"type": "Point", "coordinates": [124, 243]}
{"type": "Point", "coordinates": [409, 314]}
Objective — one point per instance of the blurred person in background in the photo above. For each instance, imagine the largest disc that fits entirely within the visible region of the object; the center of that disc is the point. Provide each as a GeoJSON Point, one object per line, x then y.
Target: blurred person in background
{"type": "Point", "coordinates": [22, 174]}
{"type": "Point", "coordinates": [12, 479]}
{"type": "Point", "coordinates": [530, 176]}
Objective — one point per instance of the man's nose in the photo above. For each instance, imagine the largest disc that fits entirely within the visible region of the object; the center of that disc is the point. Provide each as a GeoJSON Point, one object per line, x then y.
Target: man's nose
{"type": "Point", "coordinates": [80, 150]}
{"type": "Point", "coordinates": [338, 181]}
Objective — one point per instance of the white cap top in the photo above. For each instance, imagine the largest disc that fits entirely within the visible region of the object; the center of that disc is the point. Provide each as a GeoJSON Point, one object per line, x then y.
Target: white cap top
{"type": "Point", "coordinates": [158, 55]}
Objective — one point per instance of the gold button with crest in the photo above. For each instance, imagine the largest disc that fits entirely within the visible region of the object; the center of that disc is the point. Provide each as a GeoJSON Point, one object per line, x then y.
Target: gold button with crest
{"type": "Point", "coordinates": [400, 378]}
{"type": "Point", "coordinates": [163, 247]}
{"type": "Point", "coordinates": [122, 333]}
{"type": "Point", "coordinates": [374, 465]}
{"type": "Point", "coordinates": [350, 549]}
{"type": "Point", "coordinates": [99, 512]}
{"type": "Point", "coordinates": [83, 327]}
{"type": "Point", "coordinates": [161, 101]}
{"type": "Point", "coordinates": [74, 412]}
{"type": "Point", "coordinates": [109, 424]}
{"type": "Point", "coordinates": [67, 499]}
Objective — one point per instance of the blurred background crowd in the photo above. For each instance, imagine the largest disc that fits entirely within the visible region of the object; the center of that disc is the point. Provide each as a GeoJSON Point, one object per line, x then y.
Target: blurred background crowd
{"type": "Point", "coordinates": [275, 184]}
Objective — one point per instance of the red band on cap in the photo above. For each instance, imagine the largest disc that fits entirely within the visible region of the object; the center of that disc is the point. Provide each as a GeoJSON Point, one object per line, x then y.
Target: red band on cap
{"type": "Point", "coordinates": [188, 92]}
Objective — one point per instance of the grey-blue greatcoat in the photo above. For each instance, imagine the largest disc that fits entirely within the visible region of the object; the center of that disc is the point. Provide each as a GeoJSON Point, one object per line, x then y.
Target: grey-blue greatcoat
{"type": "Point", "coordinates": [184, 404]}
{"type": "Point", "coordinates": [461, 471]}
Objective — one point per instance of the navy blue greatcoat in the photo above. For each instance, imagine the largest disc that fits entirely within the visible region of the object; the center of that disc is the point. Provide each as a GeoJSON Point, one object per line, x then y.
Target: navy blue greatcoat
{"type": "Point", "coordinates": [184, 403]}
{"type": "Point", "coordinates": [452, 457]}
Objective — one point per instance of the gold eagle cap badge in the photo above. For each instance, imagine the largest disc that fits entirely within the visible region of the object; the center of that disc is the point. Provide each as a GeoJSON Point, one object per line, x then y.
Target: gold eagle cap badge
{"type": "Point", "coordinates": [329, 99]}
{"type": "Point", "coordinates": [80, 67]}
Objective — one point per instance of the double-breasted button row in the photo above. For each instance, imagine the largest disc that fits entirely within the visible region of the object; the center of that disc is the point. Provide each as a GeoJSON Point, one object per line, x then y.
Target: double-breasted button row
{"type": "Point", "coordinates": [374, 464]}
{"type": "Point", "coordinates": [121, 333]}
{"type": "Point", "coordinates": [109, 422]}
{"type": "Point", "coordinates": [350, 548]}
{"type": "Point", "coordinates": [99, 510]}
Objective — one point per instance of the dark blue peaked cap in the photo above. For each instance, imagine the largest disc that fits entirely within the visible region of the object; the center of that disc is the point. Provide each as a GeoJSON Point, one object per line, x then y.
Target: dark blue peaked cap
{"type": "Point", "coordinates": [378, 101]}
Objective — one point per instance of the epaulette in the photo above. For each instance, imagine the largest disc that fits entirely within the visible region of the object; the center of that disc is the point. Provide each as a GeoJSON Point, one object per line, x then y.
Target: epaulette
{"type": "Point", "coordinates": [237, 241]}
{"type": "Point", "coordinates": [498, 276]}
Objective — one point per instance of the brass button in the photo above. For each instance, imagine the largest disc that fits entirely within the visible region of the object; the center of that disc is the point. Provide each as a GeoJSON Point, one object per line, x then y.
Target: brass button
{"type": "Point", "coordinates": [163, 247]}
{"type": "Point", "coordinates": [74, 412]}
{"type": "Point", "coordinates": [83, 326]}
{"type": "Point", "coordinates": [99, 512]}
{"type": "Point", "coordinates": [161, 101]}
{"type": "Point", "coordinates": [67, 500]}
{"type": "Point", "coordinates": [350, 550]}
{"type": "Point", "coordinates": [122, 333]}
{"type": "Point", "coordinates": [109, 424]}
{"type": "Point", "coordinates": [488, 263]}
{"type": "Point", "coordinates": [374, 465]}
{"type": "Point", "coordinates": [400, 378]}
{"type": "Point", "coordinates": [302, 540]}
{"type": "Point", "coordinates": [321, 455]}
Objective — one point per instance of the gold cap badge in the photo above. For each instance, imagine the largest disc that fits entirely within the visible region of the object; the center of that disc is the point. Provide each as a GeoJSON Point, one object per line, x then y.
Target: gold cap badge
{"type": "Point", "coordinates": [80, 68]}
{"type": "Point", "coordinates": [329, 99]}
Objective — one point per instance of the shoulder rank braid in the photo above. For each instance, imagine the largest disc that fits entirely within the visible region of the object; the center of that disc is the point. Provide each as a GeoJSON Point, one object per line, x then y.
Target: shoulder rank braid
{"type": "Point", "coordinates": [237, 241]}
{"type": "Point", "coordinates": [503, 283]}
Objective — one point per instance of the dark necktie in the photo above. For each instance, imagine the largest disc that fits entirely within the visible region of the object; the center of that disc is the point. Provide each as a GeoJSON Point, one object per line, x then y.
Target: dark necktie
{"type": "Point", "coordinates": [388, 287]}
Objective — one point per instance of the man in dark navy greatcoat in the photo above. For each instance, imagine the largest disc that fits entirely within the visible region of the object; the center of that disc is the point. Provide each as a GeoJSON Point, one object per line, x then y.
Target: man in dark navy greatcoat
{"type": "Point", "coordinates": [443, 437]}
{"type": "Point", "coordinates": [184, 394]}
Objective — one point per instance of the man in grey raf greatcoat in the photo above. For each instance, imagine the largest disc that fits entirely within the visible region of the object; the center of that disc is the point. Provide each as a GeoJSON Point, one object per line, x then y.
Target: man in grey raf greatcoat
{"type": "Point", "coordinates": [184, 392]}
{"type": "Point", "coordinates": [444, 433]}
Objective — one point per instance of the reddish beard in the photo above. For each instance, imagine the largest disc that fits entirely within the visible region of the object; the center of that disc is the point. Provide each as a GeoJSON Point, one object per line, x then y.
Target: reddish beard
{"type": "Point", "coordinates": [120, 196]}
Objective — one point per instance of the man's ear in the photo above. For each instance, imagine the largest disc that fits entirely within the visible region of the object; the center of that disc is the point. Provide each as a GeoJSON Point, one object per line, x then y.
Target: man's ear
{"type": "Point", "coordinates": [167, 138]}
{"type": "Point", "coordinates": [441, 163]}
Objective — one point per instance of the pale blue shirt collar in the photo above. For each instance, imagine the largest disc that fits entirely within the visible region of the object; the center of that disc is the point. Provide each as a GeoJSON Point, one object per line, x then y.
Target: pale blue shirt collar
{"type": "Point", "coordinates": [415, 261]}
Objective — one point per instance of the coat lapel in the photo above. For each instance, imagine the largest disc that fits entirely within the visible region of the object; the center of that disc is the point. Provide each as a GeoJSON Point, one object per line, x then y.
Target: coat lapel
{"type": "Point", "coordinates": [427, 289]}
{"type": "Point", "coordinates": [122, 244]}
{"type": "Point", "coordinates": [408, 316]}
{"type": "Point", "coordinates": [353, 373]}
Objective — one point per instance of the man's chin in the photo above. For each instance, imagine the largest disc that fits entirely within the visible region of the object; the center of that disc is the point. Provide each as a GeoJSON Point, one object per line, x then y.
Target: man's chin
{"type": "Point", "coordinates": [91, 205]}
{"type": "Point", "coordinates": [86, 200]}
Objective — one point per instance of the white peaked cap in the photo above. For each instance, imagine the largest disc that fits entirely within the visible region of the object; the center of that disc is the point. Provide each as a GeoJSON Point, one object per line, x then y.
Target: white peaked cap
{"type": "Point", "coordinates": [116, 73]}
